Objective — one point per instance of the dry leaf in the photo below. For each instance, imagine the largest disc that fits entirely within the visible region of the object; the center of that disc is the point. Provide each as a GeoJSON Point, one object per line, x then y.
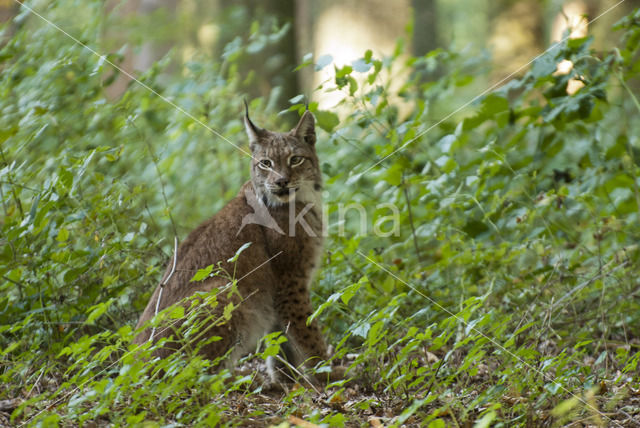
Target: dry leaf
{"type": "Point", "coordinates": [375, 422]}
{"type": "Point", "coordinates": [301, 422]}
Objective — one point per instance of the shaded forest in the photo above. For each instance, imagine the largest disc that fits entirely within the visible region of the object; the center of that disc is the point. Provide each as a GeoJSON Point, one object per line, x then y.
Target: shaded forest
{"type": "Point", "coordinates": [481, 163]}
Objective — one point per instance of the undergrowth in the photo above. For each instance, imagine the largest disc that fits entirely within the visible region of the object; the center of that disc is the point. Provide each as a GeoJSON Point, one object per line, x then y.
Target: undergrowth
{"type": "Point", "coordinates": [507, 294]}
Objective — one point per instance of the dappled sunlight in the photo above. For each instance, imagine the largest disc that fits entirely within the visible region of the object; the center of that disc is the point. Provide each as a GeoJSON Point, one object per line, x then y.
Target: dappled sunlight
{"type": "Point", "coordinates": [571, 20]}
{"type": "Point", "coordinates": [345, 33]}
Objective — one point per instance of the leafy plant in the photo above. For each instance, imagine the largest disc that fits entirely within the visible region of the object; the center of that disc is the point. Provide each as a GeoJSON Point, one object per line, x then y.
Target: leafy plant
{"type": "Point", "coordinates": [506, 295]}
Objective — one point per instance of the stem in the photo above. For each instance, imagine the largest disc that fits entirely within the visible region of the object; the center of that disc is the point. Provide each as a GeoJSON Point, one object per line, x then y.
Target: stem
{"type": "Point", "coordinates": [13, 189]}
{"type": "Point", "coordinates": [413, 229]}
{"type": "Point", "coordinates": [633, 97]}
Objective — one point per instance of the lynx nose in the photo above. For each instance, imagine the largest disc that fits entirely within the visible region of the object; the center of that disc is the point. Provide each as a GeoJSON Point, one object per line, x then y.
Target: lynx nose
{"type": "Point", "coordinates": [282, 181]}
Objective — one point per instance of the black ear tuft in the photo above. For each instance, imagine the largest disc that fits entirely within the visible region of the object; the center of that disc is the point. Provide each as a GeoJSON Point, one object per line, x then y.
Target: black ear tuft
{"type": "Point", "coordinates": [306, 128]}
{"type": "Point", "coordinates": [253, 132]}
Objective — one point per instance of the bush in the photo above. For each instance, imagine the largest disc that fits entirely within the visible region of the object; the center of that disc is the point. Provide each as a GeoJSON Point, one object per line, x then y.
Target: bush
{"type": "Point", "coordinates": [507, 294]}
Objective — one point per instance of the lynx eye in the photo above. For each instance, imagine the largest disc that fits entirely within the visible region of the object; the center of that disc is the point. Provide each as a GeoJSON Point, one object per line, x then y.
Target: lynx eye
{"type": "Point", "coordinates": [296, 160]}
{"type": "Point", "coordinates": [265, 164]}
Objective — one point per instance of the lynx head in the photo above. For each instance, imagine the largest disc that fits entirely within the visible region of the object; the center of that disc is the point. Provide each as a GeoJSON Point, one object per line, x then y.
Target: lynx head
{"type": "Point", "coordinates": [284, 166]}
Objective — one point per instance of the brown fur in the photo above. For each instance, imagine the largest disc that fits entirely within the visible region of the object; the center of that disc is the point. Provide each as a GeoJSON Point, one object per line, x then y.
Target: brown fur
{"type": "Point", "coordinates": [273, 295]}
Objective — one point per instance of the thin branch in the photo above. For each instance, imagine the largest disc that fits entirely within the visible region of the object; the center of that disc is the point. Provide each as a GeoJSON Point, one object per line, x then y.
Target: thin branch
{"type": "Point", "coordinates": [163, 283]}
{"type": "Point", "coordinates": [13, 189]}
{"type": "Point", "coordinates": [413, 229]}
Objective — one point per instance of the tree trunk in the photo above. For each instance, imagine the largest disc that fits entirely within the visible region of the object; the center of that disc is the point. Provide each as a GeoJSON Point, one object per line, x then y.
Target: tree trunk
{"type": "Point", "coordinates": [8, 10]}
{"type": "Point", "coordinates": [273, 65]}
{"type": "Point", "coordinates": [517, 35]}
{"type": "Point", "coordinates": [425, 30]}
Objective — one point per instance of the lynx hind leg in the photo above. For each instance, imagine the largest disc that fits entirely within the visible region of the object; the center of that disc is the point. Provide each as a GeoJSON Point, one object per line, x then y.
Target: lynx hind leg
{"type": "Point", "coordinates": [283, 367]}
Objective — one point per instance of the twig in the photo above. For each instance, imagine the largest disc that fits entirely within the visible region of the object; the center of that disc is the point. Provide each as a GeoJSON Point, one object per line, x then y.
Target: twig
{"type": "Point", "coordinates": [631, 418]}
{"type": "Point", "coordinates": [22, 186]}
{"type": "Point", "coordinates": [163, 283]}
{"type": "Point", "coordinates": [295, 369]}
{"type": "Point", "coordinates": [413, 229]}
{"type": "Point", "coordinates": [13, 190]}
{"type": "Point", "coordinates": [433, 379]}
{"type": "Point", "coordinates": [36, 383]}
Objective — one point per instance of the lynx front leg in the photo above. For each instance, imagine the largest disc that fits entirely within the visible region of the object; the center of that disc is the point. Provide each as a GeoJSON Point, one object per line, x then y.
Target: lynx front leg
{"type": "Point", "coordinates": [293, 306]}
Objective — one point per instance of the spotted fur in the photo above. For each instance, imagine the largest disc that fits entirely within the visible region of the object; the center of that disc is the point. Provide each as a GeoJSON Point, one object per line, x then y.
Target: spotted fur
{"type": "Point", "coordinates": [276, 269]}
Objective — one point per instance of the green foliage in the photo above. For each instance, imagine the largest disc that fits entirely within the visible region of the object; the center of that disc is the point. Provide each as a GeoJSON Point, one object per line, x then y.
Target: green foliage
{"type": "Point", "coordinates": [507, 296]}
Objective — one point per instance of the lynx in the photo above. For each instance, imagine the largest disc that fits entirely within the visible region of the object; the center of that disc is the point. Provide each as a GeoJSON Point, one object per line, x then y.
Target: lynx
{"type": "Point", "coordinates": [279, 212]}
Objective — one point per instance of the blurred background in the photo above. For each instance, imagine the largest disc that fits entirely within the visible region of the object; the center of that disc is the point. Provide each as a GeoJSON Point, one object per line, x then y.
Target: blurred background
{"type": "Point", "coordinates": [433, 83]}
{"type": "Point", "coordinates": [273, 37]}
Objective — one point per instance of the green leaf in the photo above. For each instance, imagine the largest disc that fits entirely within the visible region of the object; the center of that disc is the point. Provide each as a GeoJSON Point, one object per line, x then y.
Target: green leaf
{"type": "Point", "coordinates": [361, 329]}
{"type": "Point", "coordinates": [368, 55]}
{"type": "Point", "coordinates": [228, 309]}
{"type": "Point", "coordinates": [446, 163]}
{"type": "Point", "coordinates": [409, 411]}
{"type": "Point", "coordinates": [297, 99]}
{"type": "Point", "coordinates": [494, 104]}
{"type": "Point", "coordinates": [326, 120]}
{"type": "Point", "coordinates": [63, 235]}
{"type": "Point", "coordinates": [336, 420]}
{"type": "Point", "coordinates": [471, 180]}
{"type": "Point", "coordinates": [353, 86]}
{"type": "Point", "coordinates": [177, 312]}
{"type": "Point", "coordinates": [202, 273]}
{"type": "Point", "coordinates": [96, 311]}
{"type": "Point", "coordinates": [566, 406]}
{"type": "Point", "coordinates": [350, 291]}
{"type": "Point", "coordinates": [342, 75]}
{"type": "Point", "coordinates": [544, 65]}
{"type": "Point", "coordinates": [11, 347]}
{"type": "Point", "coordinates": [330, 302]}
{"type": "Point", "coordinates": [65, 178]}
{"type": "Point", "coordinates": [307, 60]}
{"type": "Point", "coordinates": [485, 421]}
{"type": "Point", "coordinates": [238, 252]}
{"type": "Point", "coordinates": [393, 174]}
{"type": "Point", "coordinates": [272, 344]}
{"type": "Point", "coordinates": [445, 142]}
{"type": "Point", "coordinates": [343, 71]}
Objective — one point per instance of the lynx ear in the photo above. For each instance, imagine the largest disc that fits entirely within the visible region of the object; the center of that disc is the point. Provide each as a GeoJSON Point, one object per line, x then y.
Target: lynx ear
{"type": "Point", "coordinates": [306, 128]}
{"type": "Point", "coordinates": [253, 132]}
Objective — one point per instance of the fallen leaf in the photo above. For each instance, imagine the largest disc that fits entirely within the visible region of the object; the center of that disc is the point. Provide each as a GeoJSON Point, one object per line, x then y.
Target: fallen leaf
{"type": "Point", "coordinates": [301, 422]}
{"type": "Point", "coordinates": [375, 422]}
